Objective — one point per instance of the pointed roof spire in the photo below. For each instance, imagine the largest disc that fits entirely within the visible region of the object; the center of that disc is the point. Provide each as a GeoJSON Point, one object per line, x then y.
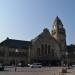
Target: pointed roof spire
{"type": "Point", "coordinates": [57, 21]}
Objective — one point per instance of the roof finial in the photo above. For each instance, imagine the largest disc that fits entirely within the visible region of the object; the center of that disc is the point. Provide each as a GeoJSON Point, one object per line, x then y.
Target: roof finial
{"type": "Point", "coordinates": [7, 38]}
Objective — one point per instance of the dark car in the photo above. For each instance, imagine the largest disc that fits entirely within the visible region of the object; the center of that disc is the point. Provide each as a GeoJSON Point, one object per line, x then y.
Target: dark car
{"type": "Point", "coordinates": [1, 67]}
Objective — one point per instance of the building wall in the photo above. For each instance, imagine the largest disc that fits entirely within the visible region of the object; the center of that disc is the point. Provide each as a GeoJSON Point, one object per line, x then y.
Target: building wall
{"type": "Point", "coordinates": [10, 56]}
{"type": "Point", "coordinates": [45, 47]}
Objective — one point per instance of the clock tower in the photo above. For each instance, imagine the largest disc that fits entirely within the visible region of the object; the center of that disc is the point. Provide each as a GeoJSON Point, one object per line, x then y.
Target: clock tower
{"type": "Point", "coordinates": [58, 32]}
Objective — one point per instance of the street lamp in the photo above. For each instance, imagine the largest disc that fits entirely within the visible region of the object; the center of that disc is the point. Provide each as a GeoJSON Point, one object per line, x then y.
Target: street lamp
{"type": "Point", "coordinates": [67, 58]}
{"type": "Point", "coordinates": [29, 56]}
{"type": "Point", "coordinates": [16, 51]}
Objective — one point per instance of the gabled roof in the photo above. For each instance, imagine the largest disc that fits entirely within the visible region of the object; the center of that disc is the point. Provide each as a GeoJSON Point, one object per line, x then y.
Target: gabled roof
{"type": "Point", "coordinates": [12, 43]}
{"type": "Point", "coordinates": [46, 31]}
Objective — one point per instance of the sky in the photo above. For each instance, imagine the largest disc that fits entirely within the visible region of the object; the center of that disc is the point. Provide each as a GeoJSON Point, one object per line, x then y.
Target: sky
{"type": "Point", "coordinates": [25, 19]}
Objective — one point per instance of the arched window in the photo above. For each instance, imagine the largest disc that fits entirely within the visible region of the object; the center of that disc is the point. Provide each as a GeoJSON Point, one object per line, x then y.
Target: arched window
{"type": "Point", "coordinates": [45, 49]}
{"type": "Point", "coordinates": [42, 49]}
{"type": "Point", "coordinates": [48, 49]}
{"type": "Point", "coordinates": [38, 51]}
{"type": "Point", "coordinates": [52, 52]}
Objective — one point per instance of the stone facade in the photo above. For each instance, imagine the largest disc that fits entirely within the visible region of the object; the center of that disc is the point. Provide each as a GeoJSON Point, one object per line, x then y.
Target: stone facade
{"type": "Point", "coordinates": [47, 48]}
{"type": "Point", "coordinates": [14, 52]}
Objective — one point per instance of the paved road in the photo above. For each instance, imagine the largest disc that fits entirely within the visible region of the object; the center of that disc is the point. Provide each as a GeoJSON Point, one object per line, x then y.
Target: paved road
{"type": "Point", "coordinates": [36, 71]}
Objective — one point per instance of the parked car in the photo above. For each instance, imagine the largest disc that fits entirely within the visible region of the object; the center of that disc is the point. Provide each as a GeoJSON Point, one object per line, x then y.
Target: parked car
{"type": "Point", "coordinates": [35, 65]}
{"type": "Point", "coordinates": [73, 65]}
{"type": "Point", "coordinates": [19, 64]}
{"type": "Point", "coordinates": [1, 67]}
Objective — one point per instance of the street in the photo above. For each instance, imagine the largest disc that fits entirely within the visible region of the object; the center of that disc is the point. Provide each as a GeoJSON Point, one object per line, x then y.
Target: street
{"type": "Point", "coordinates": [36, 71]}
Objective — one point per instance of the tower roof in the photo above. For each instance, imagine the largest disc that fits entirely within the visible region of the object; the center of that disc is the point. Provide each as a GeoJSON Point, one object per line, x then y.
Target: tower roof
{"type": "Point", "coordinates": [57, 21]}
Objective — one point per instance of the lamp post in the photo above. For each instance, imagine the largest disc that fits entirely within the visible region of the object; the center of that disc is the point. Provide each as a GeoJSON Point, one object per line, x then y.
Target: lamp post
{"type": "Point", "coordinates": [16, 51]}
{"type": "Point", "coordinates": [29, 56]}
{"type": "Point", "coordinates": [67, 58]}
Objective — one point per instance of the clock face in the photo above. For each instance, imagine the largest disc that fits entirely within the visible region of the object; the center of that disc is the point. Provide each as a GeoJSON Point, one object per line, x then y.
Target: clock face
{"type": "Point", "coordinates": [54, 27]}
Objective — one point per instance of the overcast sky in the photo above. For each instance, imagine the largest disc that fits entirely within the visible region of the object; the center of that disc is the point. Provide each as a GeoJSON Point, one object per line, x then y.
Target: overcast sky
{"type": "Point", "coordinates": [25, 19]}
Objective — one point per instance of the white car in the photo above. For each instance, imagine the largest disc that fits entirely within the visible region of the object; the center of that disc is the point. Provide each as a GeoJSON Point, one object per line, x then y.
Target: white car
{"type": "Point", "coordinates": [36, 65]}
{"type": "Point", "coordinates": [73, 65]}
